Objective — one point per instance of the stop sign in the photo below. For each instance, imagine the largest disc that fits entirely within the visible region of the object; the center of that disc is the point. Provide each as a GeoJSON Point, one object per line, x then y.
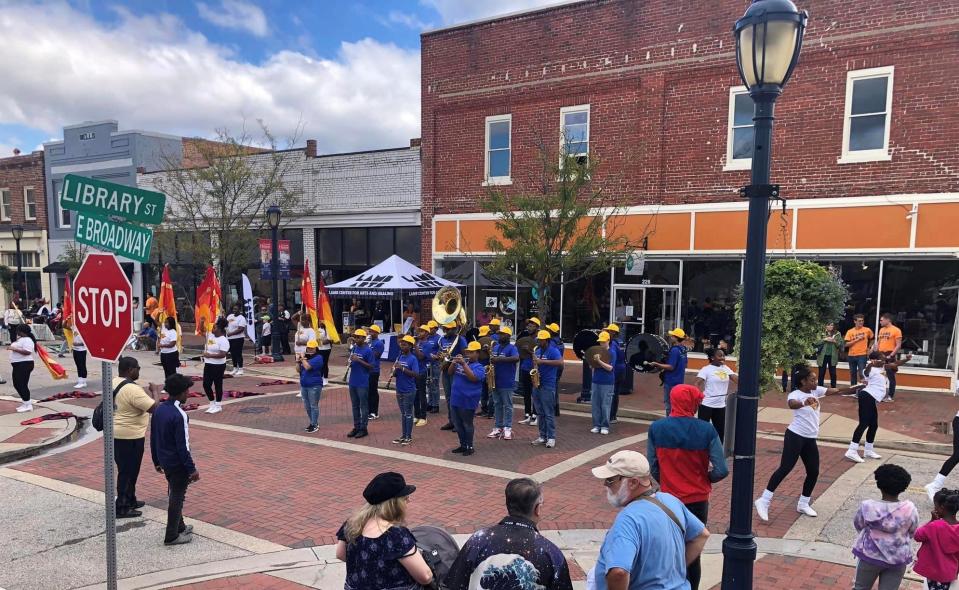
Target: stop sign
{"type": "Point", "coordinates": [103, 311]}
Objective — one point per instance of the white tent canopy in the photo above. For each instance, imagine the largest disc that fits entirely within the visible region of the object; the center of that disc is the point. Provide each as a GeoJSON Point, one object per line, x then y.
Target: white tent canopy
{"type": "Point", "coordinates": [394, 278]}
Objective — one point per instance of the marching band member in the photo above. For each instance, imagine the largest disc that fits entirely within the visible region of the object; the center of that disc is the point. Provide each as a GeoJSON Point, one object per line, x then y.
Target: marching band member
{"type": "Point", "coordinates": [547, 359]}
{"type": "Point", "coordinates": [485, 410]}
{"type": "Point", "coordinates": [604, 385]}
{"type": "Point", "coordinates": [361, 361]}
{"type": "Point", "coordinates": [422, 353]}
{"type": "Point", "coordinates": [674, 369]}
{"type": "Point", "coordinates": [433, 374]}
{"type": "Point", "coordinates": [525, 366]}
{"type": "Point", "coordinates": [377, 346]}
{"type": "Point", "coordinates": [503, 362]}
{"type": "Point", "coordinates": [406, 369]}
{"type": "Point", "coordinates": [467, 376]}
{"type": "Point", "coordinates": [619, 369]}
{"type": "Point", "coordinates": [494, 327]}
{"type": "Point", "coordinates": [558, 343]}
{"type": "Point", "coordinates": [455, 344]}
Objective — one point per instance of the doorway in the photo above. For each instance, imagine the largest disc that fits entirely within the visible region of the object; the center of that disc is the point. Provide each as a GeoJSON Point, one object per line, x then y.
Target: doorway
{"type": "Point", "coordinates": [651, 310]}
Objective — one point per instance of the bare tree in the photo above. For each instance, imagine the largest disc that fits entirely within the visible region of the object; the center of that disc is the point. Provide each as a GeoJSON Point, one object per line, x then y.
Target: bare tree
{"type": "Point", "coordinates": [73, 256]}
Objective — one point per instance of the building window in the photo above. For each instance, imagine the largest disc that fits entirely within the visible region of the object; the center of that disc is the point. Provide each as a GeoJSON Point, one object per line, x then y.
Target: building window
{"type": "Point", "coordinates": [739, 141]}
{"type": "Point", "coordinates": [5, 204]}
{"type": "Point", "coordinates": [574, 128]}
{"type": "Point", "coordinates": [29, 203]}
{"type": "Point", "coordinates": [498, 150]}
{"type": "Point", "coordinates": [27, 259]}
{"type": "Point", "coordinates": [63, 215]}
{"type": "Point", "coordinates": [710, 291]}
{"type": "Point", "coordinates": [868, 114]}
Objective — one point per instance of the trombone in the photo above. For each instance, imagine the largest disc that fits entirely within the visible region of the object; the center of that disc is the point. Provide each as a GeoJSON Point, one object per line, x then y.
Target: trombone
{"type": "Point", "coordinates": [534, 372]}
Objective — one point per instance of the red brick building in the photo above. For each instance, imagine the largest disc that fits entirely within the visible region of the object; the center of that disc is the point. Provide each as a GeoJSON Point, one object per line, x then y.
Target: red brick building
{"type": "Point", "coordinates": [866, 150]}
{"type": "Point", "coordinates": [23, 202]}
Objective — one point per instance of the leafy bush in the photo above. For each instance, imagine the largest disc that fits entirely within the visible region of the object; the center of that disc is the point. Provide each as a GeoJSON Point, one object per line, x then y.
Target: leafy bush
{"type": "Point", "coordinates": [801, 298]}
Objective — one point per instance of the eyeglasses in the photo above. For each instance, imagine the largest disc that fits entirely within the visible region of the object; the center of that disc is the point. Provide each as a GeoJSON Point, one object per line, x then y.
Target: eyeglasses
{"type": "Point", "coordinates": [609, 481]}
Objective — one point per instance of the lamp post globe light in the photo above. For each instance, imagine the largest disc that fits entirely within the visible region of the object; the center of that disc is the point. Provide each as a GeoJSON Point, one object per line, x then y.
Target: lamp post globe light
{"type": "Point", "coordinates": [17, 231]}
{"type": "Point", "coordinates": [768, 40]}
{"type": "Point", "coordinates": [273, 220]}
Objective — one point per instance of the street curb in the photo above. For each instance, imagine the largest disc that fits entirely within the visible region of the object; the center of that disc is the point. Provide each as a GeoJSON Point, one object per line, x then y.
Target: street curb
{"type": "Point", "coordinates": [20, 454]}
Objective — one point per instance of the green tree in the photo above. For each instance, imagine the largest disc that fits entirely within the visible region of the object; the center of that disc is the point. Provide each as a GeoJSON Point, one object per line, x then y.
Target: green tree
{"type": "Point", "coordinates": [224, 199]}
{"type": "Point", "coordinates": [73, 256]}
{"type": "Point", "coordinates": [563, 230]}
{"type": "Point", "coordinates": [6, 278]}
{"type": "Point", "coordinates": [801, 298]}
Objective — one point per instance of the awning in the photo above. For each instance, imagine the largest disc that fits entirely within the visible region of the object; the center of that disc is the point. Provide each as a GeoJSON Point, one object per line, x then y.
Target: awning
{"type": "Point", "coordinates": [59, 267]}
{"type": "Point", "coordinates": [393, 278]}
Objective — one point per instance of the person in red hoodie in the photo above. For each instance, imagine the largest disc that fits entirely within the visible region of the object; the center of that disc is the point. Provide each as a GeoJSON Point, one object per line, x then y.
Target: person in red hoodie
{"type": "Point", "coordinates": [938, 557]}
{"type": "Point", "coordinates": [686, 458]}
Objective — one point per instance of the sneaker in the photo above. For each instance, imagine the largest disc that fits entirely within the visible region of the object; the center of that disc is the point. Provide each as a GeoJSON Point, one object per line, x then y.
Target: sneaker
{"type": "Point", "coordinates": [459, 450]}
{"type": "Point", "coordinates": [233, 372]}
{"type": "Point", "coordinates": [182, 539]}
{"type": "Point", "coordinates": [495, 433]}
{"type": "Point", "coordinates": [187, 529]}
{"type": "Point", "coordinates": [362, 433]}
{"type": "Point", "coordinates": [888, 399]}
{"type": "Point", "coordinates": [604, 431]}
{"type": "Point", "coordinates": [533, 421]}
{"type": "Point", "coordinates": [352, 433]}
{"type": "Point", "coordinates": [469, 451]}
{"type": "Point", "coordinates": [311, 428]}
{"type": "Point", "coordinates": [215, 408]}
{"type": "Point", "coordinates": [613, 421]}
{"type": "Point", "coordinates": [420, 422]}
{"type": "Point", "coordinates": [526, 419]}
{"type": "Point", "coordinates": [373, 416]}
{"type": "Point", "coordinates": [80, 384]}
{"type": "Point", "coordinates": [447, 426]}
{"type": "Point", "coordinates": [299, 394]}
{"type": "Point", "coordinates": [871, 454]}
{"type": "Point", "coordinates": [762, 509]}
{"type": "Point", "coordinates": [25, 407]}
{"type": "Point", "coordinates": [594, 430]}
{"type": "Point", "coordinates": [854, 456]}
{"type": "Point", "coordinates": [551, 443]}
{"type": "Point", "coordinates": [507, 434]}
{"type": "Point", "coordinates": [806, 509]}
{"type": "Point", "coordinates": [325, 381]}
{"type": "Point", "coordinates": [583, 400]}
{"type": "Point", "coordinates": [238, 372]}
{"type": "Point", "coordinates": [397, 441]}
{"type": "Point", "coordinates": [932, 489]}
{"type": "Point", "coordinates": [406, 442]}
{"type": "Point", "coordinates": [538, 441]}
{"type": "Point", "coordinates": [129, 514]}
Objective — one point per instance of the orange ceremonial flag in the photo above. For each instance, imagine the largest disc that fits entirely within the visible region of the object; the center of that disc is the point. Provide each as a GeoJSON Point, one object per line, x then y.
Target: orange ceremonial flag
{"type": "Point", "coordinates": [68, 312]}
{"type": "Point", "coordinates": [56, 370]}
{"type": "Point", "coordinates": [306, 293]}
{"type": "Point", "coordinates": [166, 306]}
{"type": "Point", "coordinates": [326, 313]}
{"type": "Point", "coordinates": [207, 302]}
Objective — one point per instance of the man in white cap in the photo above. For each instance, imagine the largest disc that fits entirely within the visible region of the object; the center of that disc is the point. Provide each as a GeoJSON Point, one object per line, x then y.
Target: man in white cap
{"type": "Point", "coordinates": [653, 538]}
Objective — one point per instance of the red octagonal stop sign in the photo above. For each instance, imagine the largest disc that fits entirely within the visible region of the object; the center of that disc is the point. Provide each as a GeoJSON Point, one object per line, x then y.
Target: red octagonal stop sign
{"type": "Point", "coordinates": [103, 310]}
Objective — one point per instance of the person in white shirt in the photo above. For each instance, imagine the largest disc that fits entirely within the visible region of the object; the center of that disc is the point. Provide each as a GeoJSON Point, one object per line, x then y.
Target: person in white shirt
{"type": "Point", "coordinates": [713, 380]}
{"type": "Point", "coordinates": [877, 385]}
{"type": "Point", "coordinates": [21, 361]}
{"type": "Point", "coordinates": [304, 333]}
{"type": "Point", "coordinates": [325, 349]}
{"type": "Point", "coordinates": [214, 365]}
{"type": "Point", "coordinates": [169, 351]}
{"type": "Point", "coordinates": [800, 439]}
{"type": "Point", "coordinates": [79, 359]}
{"type": "Point", "coordinates": [235, 333]}
{"type": "Point", "coordinates": [12, 317]}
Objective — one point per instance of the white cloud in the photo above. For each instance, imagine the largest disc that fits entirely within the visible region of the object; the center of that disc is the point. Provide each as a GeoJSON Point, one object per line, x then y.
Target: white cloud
{"type": "Point", "coordinates": [154, 73]}
{"type": "Point", "coordinates": [408, 20]}
{"type": "Point", "coordinates": [235, 14]}
{"type": "Point", "coordinates": [458, 11]}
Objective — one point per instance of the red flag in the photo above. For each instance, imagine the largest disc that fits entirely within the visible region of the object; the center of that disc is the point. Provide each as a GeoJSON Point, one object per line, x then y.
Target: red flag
{"type": "Point", "coordinates": [68, 312]}
{"type": "Point", "coordinates": [326, 312]}
{"type": "Point", "coordinates": [166, 307]}
{"type": "Point", "coordinates": [207, 302]}
{"type": "Point", "coordinates": [56, 370]}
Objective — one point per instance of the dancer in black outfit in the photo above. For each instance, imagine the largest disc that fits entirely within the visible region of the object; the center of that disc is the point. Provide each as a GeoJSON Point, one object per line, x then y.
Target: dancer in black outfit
{"type": "Point", "coordinates": [169, 352]}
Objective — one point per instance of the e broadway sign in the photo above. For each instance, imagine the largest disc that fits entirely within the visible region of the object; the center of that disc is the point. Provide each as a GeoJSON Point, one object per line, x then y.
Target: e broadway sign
{"type": "Point", "coordinates": [98, 197]}
{"type": "Point", "coordinates": [131, 241]}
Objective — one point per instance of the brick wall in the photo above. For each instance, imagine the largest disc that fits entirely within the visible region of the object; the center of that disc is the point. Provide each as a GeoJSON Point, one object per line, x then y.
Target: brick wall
{"type": "Point", "coordinates": [657, 75]}
{"type": "Point", "coordinates": [17, 172]}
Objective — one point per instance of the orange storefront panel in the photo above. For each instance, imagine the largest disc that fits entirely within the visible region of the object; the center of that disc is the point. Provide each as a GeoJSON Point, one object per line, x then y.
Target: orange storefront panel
{"type": "Point", "coordinates": [936, 225]}
{"type": "Point", "coordinates": [726, 230]}
{"type": "Point", "coordinates": [852, 228]}
{"type": "Point", "coordinates": [666, 231]}
{"type": "Point", "coordinates": [445, 236]}
{"type": "Point", "coordinates": [474, 233]}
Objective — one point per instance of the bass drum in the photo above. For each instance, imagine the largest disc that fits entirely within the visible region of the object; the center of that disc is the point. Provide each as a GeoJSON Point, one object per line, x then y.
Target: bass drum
{"type": "Point", "coordinates": [645, 348]}
{"type": "Point", "coordinates": [584, 339]}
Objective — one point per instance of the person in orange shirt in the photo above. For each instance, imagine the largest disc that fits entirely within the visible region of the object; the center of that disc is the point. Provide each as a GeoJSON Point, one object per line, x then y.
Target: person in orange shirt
{"type": "Point", "coordinates": [888, 343]}
{"type": "Point", "coordinates": [151, 304]}
{"type": "Point", "coordinates": [859, 340]}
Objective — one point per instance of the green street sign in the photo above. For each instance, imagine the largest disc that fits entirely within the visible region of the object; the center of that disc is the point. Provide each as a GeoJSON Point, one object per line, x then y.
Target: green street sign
{"type": "Point", "coordinates": [131, 241]}
{"type": "Point", "coordinates": [97, 197]}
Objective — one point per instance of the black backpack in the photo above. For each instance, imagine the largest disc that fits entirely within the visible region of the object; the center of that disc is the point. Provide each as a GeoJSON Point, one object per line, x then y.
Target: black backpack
{"type": "Point", "coordinates": [97, 419]}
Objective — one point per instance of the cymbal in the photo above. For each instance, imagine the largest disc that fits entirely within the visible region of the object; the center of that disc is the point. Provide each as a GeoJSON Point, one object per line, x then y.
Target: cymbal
{"type": "Point", "coordinates": [592, 351]}
{"type": "Point", "coordinates": [525, 345]}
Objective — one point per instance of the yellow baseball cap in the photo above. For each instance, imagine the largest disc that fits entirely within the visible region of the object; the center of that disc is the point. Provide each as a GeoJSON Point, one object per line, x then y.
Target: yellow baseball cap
{"type": "Point", "coordinates": [534, 320]}
{"type": "Point", "coordinates": [375, 328]}
{"type": "Point", "coordinates": [494, 322]}
{"type": "Point", "coordinates": [432, 324]}
{"type": "Point", "coordinates": [677, 332]}
{"type": "Point", "coordinates": [543, 335]}
{"type": "Point", "coordinates": [484, 331]}
{"type": "Point", "coordinates": [312, 344]}
{"type": "Point", "coordinates": [360, 332]}
{"type": "Point", "coordinates": [450, 325]}
{"type": "Point", "coordinates": [424, 327]}
{"type": "Point", "coordinates": [506, 330]}
{"type": "Point", "coordinates": [554, 327]}
{"type": "Point", "coordinates": [612, 328]}
{"type": "Point", "coordinates": [603, 337]}
{"type": "Point", "coordinates": [409, 339]}
{"type": "Point", "coordinates": [474, 345]}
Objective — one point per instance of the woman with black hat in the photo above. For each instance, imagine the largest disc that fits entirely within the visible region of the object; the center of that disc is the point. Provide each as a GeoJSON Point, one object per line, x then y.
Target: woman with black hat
{"type": "Point", "coordinates": [373, 542]}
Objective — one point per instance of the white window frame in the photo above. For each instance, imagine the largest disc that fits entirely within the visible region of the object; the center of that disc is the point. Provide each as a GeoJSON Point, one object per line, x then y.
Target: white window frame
{"type": "Point", "coordinates": [26, 206]}
{"type": "Point", "coordinates": [497, 180]}
{"type": "Point", "coordinates": [562, 125]}
{"type": "Point", "coordinates": [876, 155]}
{"type": "Point", "coordinates": [60, 211]}
{"type": "Point", "coordinates": [4, 214]}
{"type": "Point", "coordinates": [736, 163]}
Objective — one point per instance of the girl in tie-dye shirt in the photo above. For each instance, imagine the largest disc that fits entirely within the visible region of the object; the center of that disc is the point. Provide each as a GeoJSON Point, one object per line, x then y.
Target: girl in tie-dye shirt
{"type": "Point", "coordinates": [886, 527]}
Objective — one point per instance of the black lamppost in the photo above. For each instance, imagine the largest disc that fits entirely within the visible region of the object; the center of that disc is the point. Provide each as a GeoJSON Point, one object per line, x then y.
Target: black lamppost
{"type": "Point", "coordinates": [273, 220]}
{"type": "Point", "coordinates": [768, 39]}
{"type": "Point", "coordinates": [17, 236]}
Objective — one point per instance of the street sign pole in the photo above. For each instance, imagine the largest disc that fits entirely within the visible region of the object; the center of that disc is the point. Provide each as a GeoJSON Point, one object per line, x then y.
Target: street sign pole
{"type": "Point", "coordinates": [109, 480]}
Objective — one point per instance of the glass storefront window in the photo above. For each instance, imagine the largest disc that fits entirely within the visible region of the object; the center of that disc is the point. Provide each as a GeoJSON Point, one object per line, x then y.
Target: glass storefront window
{"type": "Point", "coordinates": [330, 244]}
{"type": "Point", "coordinates": [585, 304]}
{"type": "Point", "coordinates": [354, 246]}
{"type": "Point", "coordinates": [381, 244]}
{"type": "Point", "coordinates": [709, 301]}
{"type": "Point", "coordinates": [862, 278]}
{"type": "Point", "coordinates": [922, 295]}
{"type": "Point", "coordinates": [657, 272]}
{"type": "Point", "coordinates": [408, 244]}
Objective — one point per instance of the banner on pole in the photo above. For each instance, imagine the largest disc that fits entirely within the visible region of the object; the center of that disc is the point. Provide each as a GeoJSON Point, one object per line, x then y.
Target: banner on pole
{"type": "Point", "coordinates": [266, 259]}
{"type": "Point", "coordinates": [248, 310]}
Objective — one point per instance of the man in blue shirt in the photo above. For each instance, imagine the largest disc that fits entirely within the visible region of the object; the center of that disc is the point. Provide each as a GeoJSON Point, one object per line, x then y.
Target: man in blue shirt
{"type": "Point", "coordinates": [619, 369]}
{"type": "Point", "coordinates": [653, 538]}
{"type": "Point", "coordinates": [451, 344]}
{"type": "Point", "coordinates": [407, 372]}
{"type": "Point", "coordinates": [547, 359]}
{"type": "Point", "coordinates": [467, 387]}
{"type": "Point", "coordinates": [433, 374]}
{"type": "Point", "coordinates": [361, 361]}
{"type": "Point", "coordinates": [674, 369]}
{"type": "Point", "coordinates": [504, 358]}
{"type": "Point", "coordinates": [603, 385]}
{"type": "Point", "coordinates": [377, 346]}
{"type": "Point", "coordinates": [170, 448]}
{"type": "Point", "coordinates": [525, 366]}
{"type": "Point", "coordinates": [422, 352]}
{"type": "Point", "coordinates": [558, 343]}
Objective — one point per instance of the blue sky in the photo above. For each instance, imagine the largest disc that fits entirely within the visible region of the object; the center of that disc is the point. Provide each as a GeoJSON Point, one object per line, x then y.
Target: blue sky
{"type": "Point", "coordinates": [343, 72]}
